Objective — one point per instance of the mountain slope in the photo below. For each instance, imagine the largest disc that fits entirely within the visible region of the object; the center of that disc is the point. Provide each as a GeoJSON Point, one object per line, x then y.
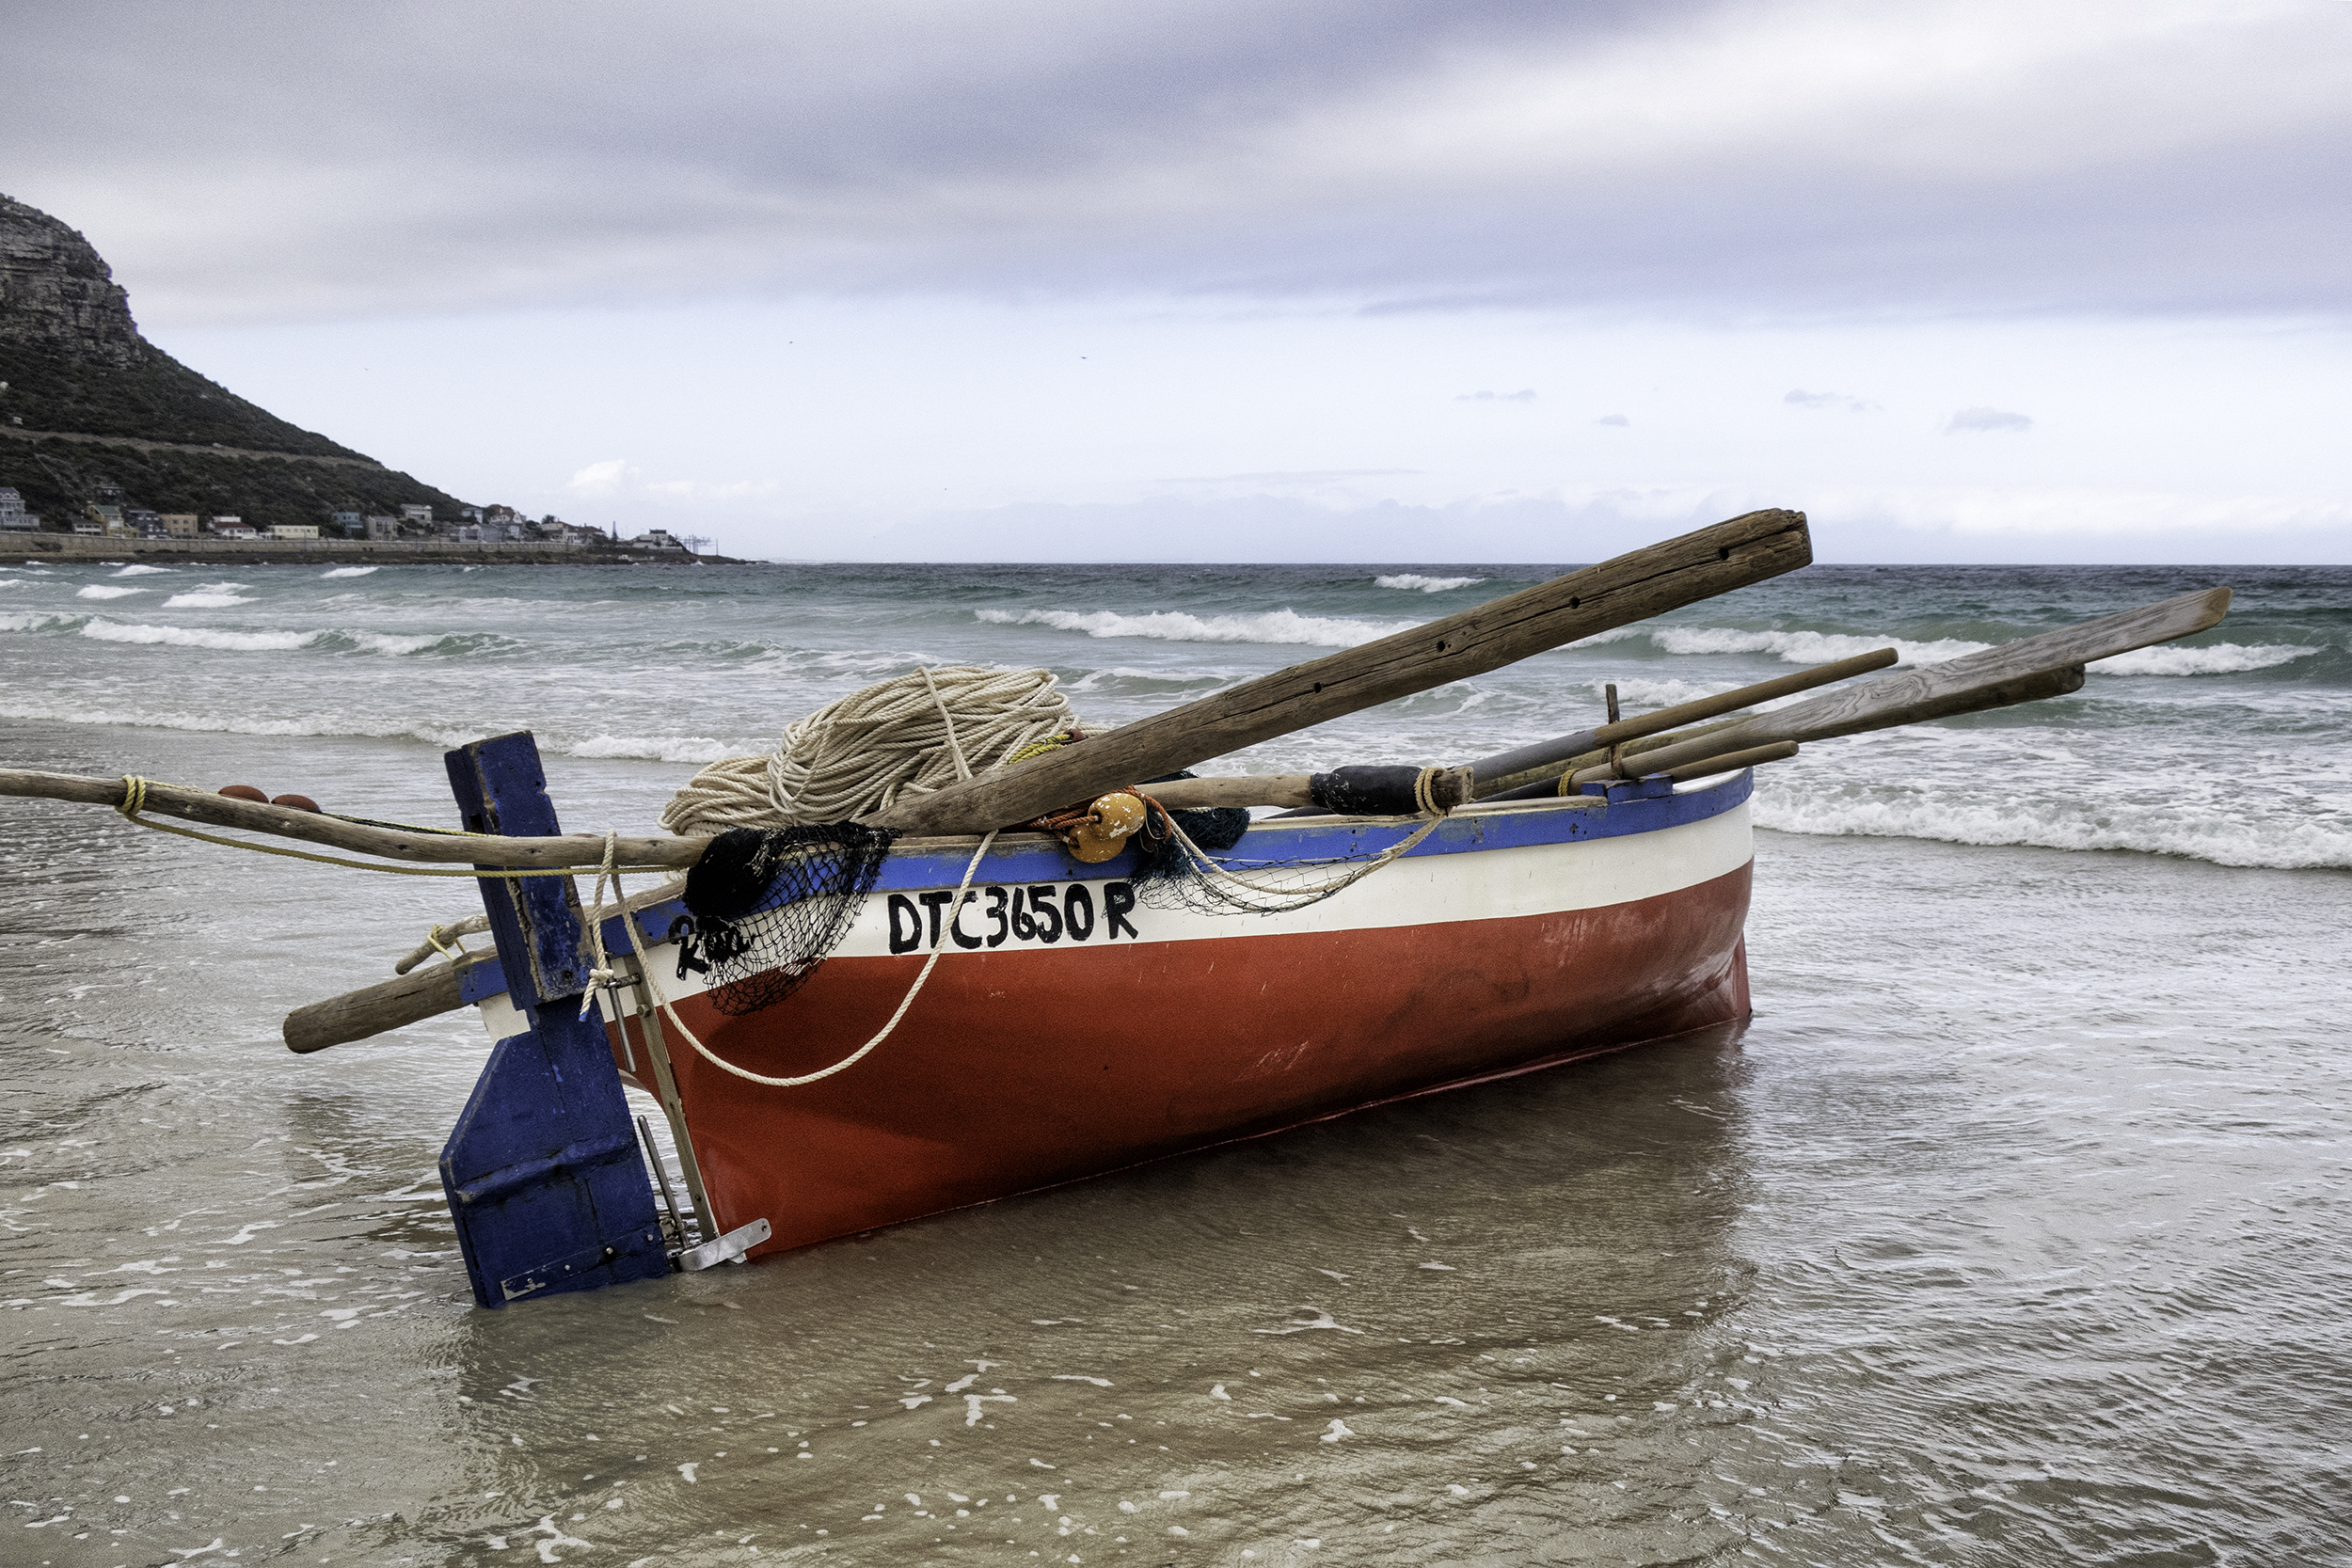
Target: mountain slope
{"type": "Point", "coordinates": [72, 361]}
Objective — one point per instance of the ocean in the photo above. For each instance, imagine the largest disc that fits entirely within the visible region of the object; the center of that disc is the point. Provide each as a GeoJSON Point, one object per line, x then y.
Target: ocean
{"type": "Point", "coordinates": [2012, 1230]}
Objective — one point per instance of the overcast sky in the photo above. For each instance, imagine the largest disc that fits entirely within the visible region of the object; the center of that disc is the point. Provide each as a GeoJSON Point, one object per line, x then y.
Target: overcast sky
{"type": "Point", "coordinates": [1979, 281]}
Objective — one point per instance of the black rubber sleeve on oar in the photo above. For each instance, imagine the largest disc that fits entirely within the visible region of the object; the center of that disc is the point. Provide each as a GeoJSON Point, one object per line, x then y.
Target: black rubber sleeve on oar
{"type": "Point", "coordinates": [1367, 790]}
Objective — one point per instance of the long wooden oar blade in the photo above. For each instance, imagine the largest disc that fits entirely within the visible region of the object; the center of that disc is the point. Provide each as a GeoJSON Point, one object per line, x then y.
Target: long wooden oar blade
{"type": "Point", "coordinates": [1528, 765]}
{"type": "Point", "coordinates": [1972, 683]}
{"type": "Point", "coordinates": [1633, 587]}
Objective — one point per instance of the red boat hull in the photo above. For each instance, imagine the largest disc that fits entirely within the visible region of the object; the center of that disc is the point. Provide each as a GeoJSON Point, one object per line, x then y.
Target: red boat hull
{"type": "Point", "coordinates": [1024, 1068]}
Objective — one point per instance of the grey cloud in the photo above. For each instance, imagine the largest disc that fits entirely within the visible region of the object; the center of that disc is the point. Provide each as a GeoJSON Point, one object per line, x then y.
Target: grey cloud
{"type": "Point", "coordinates": [1981, 421]}
{"type": "Point", "coordinates": [1685, 155]}
{"type": "Point", "coordinates": [1613, 419]}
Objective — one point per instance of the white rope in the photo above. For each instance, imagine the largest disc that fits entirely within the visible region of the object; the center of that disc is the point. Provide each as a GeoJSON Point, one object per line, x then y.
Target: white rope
{"type": "Point", "coordinates": [600, 974]}
{"type": "Point", "coordinates": [653, 989]}
{"type": "Point", "coordinates": [858, 755]}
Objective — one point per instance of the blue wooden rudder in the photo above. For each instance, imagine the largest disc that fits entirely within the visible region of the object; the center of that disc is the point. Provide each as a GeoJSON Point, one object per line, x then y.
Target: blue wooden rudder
{"type": "Point", "coordinates": [543, 1171]}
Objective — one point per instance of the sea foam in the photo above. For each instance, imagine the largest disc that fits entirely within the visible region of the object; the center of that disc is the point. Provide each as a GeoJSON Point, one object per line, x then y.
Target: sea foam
{"type": "Point", "coordinates": [100, 591]}
{"type": "Point", "coordinates": [220, 595]}
{"type": "Point", "coordinates": [1413, 581]}
{"type": "Point", "coordinates": [1270, 626]}
{"type": "Point", "coordinates": [2284, 840]}
{"type": "Point", "coordinates": [197, 637]}
{"type": "Point", "coordinates": [135, 570]}
{"type": "Point", "coordinates": [2221, 658]}
{"type": "Point", "coordinates": [698, 750]}
{"type": "Point", "coordinates": [350, 571]}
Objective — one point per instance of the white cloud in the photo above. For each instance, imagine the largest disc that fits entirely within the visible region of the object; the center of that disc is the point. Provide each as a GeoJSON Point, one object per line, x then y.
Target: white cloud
{"type": "Point", "coordinates": [600, 479]}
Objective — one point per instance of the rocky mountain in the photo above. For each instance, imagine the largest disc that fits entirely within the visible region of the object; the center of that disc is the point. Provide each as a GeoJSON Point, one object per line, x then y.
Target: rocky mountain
{"type": "Point", "coordinates": [74, 364]}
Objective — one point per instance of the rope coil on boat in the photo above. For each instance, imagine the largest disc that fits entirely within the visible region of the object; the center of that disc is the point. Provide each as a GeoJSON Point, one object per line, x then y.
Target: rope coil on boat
{"type": "Point", "coordinates": [858, 754]}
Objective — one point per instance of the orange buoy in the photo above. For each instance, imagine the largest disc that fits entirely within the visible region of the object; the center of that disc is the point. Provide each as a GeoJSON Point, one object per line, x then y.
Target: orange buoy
{"type": "Point", "coordinates": [1111, 821]}
{"type": "Point", "coordinates": [299, 803]}
{"type": "Point", "coordinates": [242, 792]}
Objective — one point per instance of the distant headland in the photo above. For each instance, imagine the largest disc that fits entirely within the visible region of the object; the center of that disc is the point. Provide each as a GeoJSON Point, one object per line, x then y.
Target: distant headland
{"type": "Point", "coordinates": [110, 447]}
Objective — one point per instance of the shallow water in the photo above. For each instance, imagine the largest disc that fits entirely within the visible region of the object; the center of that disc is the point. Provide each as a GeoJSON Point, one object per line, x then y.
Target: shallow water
{"type": "Point", "coordinates": [2012, 1230]}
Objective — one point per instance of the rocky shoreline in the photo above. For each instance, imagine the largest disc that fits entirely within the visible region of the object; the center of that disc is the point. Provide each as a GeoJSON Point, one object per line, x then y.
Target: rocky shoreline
{"type": "Point", "coordinates": [70, 548]}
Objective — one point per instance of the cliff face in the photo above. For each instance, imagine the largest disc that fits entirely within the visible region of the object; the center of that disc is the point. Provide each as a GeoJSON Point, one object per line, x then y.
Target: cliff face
{"type": "Point", "coordinates": [73, 358]}
{"type": "Point", "coordinates": [56, 293]}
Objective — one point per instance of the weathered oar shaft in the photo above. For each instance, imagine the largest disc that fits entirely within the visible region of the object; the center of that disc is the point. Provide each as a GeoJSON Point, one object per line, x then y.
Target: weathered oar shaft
{"type": "Point", "coordinates": [1775, 727]}
{"type": "Point", "coordinates": [1734, 761]}
{"type": "Point", "coordinates": [1512, 769]}
{"type": "Point", "coordinates": [219, 811]}
{"type": "Point", "coordinates": [1917, 695]}
{"type": "Point", "coordinates": [373, 1009]}
{"type": "Point", "coordinates": [1630, 588]}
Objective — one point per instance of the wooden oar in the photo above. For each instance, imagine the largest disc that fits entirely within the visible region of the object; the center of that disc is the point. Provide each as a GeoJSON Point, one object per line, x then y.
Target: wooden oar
{"type": "Point", "coordinates": [1633, 587]}
{"type": "Point", "coordinates": [219, 811]}
{"type": "Point", "coordinates": [373, 1009]}
{"type": "Point", "coordinates": [2023, 671]}
{"type": "Point", "coordinates": [1531, 764]}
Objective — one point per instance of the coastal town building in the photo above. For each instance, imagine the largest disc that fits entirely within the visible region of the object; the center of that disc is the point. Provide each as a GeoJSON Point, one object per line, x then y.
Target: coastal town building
{"type": "Point", "coordinates": [180, 525]}
{"type": "Point", "coordinates": [349, 524]}
{"type": "Point", "coordinates": [293, 530]}
{"type": "Point", "coordinates": [232, 527]}
{"type": "Point", "coordinates": [421, 515]}
{"type": "Point", "coordinates": [14, 517]}
{"type": "Point", "coordinates": [383, 525]}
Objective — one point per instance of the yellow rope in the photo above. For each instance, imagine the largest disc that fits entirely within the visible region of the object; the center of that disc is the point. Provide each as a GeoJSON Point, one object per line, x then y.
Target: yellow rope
{"type": "Point", "coordinates": [135, 801]}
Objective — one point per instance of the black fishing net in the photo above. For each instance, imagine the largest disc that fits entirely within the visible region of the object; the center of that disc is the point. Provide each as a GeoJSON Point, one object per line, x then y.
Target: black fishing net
{"type": "Point", "coordinates": [1163, 871]}
{"type": "Point", "coordinates": [768, 904]}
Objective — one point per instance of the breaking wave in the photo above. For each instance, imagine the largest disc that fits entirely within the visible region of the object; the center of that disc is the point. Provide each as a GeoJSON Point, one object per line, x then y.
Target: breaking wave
{"type": "Point", "coordinates": [220, 595]}
{"type": "Point", "coordinates": [1171, 625]}
{"type": "Point", "coordinates": [1413, 581]}
{"type": "Point", "coordinates": [350, 571]}
{"type": "Point", "coordinates": [2290, 843]}
{"type": "Point", "coordinates": [104, 630]}
{"type": "Point", "coordinates": [699, 750]}
{"type": "Point", "coordinates": [135, 570]}
{"type": "Point", "coordinates": [226, 724]}
{"type": "Point", "coordinates": [390, 644]}
{"type": "Point", "coordinates": [2222, 659]}
{"type": "Point", "coordinates": [100, 591]}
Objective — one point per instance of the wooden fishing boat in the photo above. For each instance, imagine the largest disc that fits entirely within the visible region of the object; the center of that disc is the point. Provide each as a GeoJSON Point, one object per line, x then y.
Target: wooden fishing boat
{"type": "Point", "coordinates": [1073, 1028]}
{"type": "Point", "coordinates": [999, 1009]}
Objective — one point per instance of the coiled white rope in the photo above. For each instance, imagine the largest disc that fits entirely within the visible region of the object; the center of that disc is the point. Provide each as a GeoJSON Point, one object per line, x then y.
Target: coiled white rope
{"type": "Point", "coordinates": [857, 756]}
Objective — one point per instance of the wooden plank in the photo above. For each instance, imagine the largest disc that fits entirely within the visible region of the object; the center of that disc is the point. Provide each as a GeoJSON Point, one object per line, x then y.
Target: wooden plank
{"type": "Point", "coordinates": [1633, 587]}
{"type": "Point", "coordinates": [218, 810]}
{"type": "Point", "coordinates": [1932, 692]}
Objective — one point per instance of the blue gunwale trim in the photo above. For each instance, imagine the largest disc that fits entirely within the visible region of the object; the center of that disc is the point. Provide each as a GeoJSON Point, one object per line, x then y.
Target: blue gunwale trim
{"type": "Point", "coordinates": [1037, 860]}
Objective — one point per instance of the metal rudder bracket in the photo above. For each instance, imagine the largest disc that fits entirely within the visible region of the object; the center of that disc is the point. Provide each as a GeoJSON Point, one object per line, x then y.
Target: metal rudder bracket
{"type": "Point", "coordinates": [729, 1248]}
{"type": "Point", "coordinates": [542, 1170]}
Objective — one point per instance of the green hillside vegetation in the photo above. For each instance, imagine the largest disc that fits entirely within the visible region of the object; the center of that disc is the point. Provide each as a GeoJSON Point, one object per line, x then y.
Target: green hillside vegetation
{"type": "Point", "coordinates": [57, 477]}
{"type": "Point", "coordinates": [155, 399]}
